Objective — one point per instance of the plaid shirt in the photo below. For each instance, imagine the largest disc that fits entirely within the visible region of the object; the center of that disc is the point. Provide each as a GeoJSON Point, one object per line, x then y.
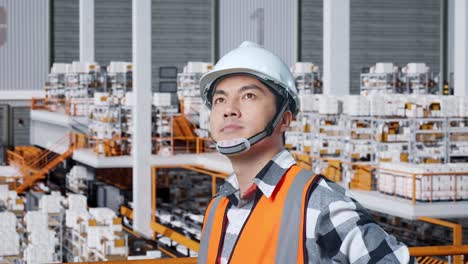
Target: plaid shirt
{"type": "Point", "coordinates": [338, 229]}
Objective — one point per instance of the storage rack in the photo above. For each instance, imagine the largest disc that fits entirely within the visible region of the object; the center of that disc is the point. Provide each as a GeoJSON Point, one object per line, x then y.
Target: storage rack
{"type": "Point", "coordinates": [379, 83]}
{"type": "Point", "coordinates": [429, 140]}
{"type": "Point", "coordinates": [390, 137]}
{"type": "Point", "coordinates": [457, 134]}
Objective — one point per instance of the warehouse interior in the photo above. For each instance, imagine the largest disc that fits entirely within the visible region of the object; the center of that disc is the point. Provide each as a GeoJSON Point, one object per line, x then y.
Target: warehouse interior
{"type": "Point", "coordinates": [105, 150]}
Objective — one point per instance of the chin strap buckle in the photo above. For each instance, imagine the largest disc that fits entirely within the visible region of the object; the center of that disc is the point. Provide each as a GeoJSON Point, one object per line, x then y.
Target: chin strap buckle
{"type": "Point", "coordinates": [233, 146]}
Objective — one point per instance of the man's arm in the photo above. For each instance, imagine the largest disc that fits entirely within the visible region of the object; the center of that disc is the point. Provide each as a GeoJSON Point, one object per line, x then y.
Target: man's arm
{"type": "Point", "coordinates": [341, 230]}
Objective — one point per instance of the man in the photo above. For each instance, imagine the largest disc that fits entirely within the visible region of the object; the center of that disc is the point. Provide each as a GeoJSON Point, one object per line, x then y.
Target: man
{"type": "Point", "coordinates": [269, 210]}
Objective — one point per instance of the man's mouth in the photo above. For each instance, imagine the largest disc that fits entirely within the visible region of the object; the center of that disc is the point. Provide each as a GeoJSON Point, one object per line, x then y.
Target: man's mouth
{"type": "Point", "coordinates": [230, 128]}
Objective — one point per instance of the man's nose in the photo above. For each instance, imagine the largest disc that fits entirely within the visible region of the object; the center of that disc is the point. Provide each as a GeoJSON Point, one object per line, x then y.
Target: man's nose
{"type": "Point", "coordinates": [231, 110]}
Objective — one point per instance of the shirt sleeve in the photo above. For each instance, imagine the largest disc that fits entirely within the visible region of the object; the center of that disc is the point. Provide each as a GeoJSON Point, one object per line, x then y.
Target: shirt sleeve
{"type": "Point", "coordinates": [339, 229]}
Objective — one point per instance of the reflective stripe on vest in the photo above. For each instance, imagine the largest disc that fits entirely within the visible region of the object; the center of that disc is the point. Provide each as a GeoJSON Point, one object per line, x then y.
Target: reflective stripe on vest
{"type": "Point", "coordinates": [274, 231]}
{"type": "Point", "coordinates": [290, 229]}
{"type": "Point", "coordinates": [202, 258]}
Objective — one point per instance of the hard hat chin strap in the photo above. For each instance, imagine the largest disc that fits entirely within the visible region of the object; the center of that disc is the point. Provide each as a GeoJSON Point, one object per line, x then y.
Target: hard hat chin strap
{"type": "Point", "coordinates": [241, 145]}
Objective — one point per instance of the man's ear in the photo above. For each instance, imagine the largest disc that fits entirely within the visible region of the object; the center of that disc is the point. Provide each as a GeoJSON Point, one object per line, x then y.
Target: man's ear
{"type": "Point", "coordinates": [286, 121]}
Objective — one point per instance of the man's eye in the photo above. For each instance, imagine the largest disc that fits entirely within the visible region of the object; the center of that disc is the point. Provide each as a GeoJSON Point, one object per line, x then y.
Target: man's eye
{"type": "Point", "coordinates": [218, 100]}
{"type": "Point", "coordinates": [249, 95]}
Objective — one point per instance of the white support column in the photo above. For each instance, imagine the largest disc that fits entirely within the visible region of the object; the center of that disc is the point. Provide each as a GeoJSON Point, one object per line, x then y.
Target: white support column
{"type": "Point", "coordinates": [87, 30]}
{"type": "Point", "coordinates": [142, 95]}
{"type": "Point", "coordinates": [451, 38]}
{"type": "Point", "coordinates": [461, 48]}
{"type": "Point", "coordinates": [336, 17]}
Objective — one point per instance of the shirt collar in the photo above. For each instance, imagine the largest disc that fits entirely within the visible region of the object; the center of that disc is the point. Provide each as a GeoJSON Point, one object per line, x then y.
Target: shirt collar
{"type": "Point", "coordinates": [266, 180]}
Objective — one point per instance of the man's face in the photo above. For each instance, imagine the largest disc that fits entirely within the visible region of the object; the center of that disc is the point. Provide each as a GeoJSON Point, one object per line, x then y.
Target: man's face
{"type": "Point", "coordinates": [241, 107]}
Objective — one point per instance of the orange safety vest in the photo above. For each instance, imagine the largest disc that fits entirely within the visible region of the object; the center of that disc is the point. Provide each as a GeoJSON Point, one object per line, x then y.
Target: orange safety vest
{"type": "Point", "coordinates": [274, 232]}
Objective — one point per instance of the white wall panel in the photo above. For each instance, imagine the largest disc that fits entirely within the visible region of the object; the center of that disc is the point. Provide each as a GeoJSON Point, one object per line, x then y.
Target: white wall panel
{"type": "Point", "coordinates": [24, 54]}
{"type": "Point", "coordinates": [271, 23]}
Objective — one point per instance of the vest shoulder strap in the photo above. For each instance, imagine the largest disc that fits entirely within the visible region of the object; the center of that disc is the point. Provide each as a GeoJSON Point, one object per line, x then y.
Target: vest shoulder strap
{"type": "Point", "coordinates": [292, 226]}
{"type": "Point", "coordinates": [205, 239]}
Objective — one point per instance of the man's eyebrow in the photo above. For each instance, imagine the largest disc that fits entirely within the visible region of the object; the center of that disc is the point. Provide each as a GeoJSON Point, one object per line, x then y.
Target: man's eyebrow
{"type": "Point", "coordinates": [219, 92]}
{"type": "Point", "coordinates": [251, 87]}
{"type": "Point", "coordinates": [242, 89]}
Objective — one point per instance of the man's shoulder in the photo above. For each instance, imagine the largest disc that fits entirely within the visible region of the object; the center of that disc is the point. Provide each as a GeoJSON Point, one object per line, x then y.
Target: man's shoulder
{"type": "Point", "coordinates": [326, 192]}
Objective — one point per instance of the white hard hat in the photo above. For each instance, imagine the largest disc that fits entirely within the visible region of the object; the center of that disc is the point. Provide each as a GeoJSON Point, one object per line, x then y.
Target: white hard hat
{"type": "Point", "coordinates": [250, 58]}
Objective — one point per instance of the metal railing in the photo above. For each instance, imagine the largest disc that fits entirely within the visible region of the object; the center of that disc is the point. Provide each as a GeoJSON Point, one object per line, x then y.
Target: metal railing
{"type": "Point", "coordinates": [456, 250]}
